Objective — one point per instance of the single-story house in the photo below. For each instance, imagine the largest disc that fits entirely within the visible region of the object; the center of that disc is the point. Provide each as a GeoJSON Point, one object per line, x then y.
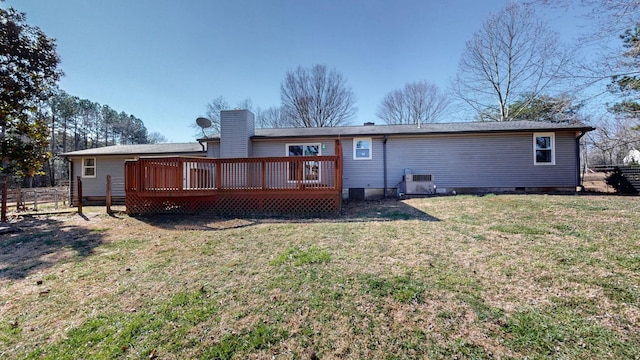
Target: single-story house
{"type": "Point", "coordinates": [93, 166]}
{"type": "Point", "coordinates": [379, 160]}
{"type": "Point", "coordinates": [382, 160]}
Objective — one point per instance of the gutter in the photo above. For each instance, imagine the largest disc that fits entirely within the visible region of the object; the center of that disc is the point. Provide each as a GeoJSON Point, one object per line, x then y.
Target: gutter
{"type": "Point", "coordinates": [71, 187]}
{"type": "Point", "coordinates": [578, 177]}
{"type": "Point", "coordinates": [384, 163]}
{"type": "Point", "coordinates": [418, 132]}
{"type": "Point", "coordinates": [202, 144]}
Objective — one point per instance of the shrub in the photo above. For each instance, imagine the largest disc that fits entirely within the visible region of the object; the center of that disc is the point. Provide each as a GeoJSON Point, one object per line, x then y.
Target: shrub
{"type": "Point", "coordinates": [620, 183]}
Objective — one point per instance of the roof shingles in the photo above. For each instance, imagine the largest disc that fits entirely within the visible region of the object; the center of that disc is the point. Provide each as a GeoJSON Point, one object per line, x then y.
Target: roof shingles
{"type": "Point", "coordinates": [424, 129]}
{"type": "Point", "coordinates": [143, 149]}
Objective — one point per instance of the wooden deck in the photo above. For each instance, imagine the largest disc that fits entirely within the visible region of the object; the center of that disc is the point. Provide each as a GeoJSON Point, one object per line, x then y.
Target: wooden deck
{"type": "Point", "coordinates": [296, 184]}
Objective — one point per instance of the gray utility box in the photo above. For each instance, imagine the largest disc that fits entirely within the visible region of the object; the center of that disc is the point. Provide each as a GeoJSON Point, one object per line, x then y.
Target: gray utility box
{"type": "Point", "coordinates": [417, 184]}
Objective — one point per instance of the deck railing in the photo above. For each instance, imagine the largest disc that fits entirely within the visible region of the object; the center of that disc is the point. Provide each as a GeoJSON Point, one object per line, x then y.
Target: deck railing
{"type": "Point", "coordinates": [257, 184]}
{"type": "Point", "coordinates": [188, 176]}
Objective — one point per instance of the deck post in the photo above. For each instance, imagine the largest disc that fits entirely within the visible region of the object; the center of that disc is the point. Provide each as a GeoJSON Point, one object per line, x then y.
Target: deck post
{"type": "Point", "coordinates": [261, 197]}
{"type": "Point", "coordinates": [338, 152]}
{"type": "Point", "coordinates": [338, 172]}
{"type": "Point", "coordinates": [79, 195]}
{"type": "Point", "coordinates": [4, 198]}
{"type": "Point", "coordinates": [218, 169]}
{"type": "Point", "coordinates": [299, 170]}
{"type": "Point", "coordinates": [264, 174]}
{"type": "Point", "coordinates": [180, 175]}
{"type": "Point", "coordinates": [139, 176]}
{"type": "Point", "coordinates": [108, 199]}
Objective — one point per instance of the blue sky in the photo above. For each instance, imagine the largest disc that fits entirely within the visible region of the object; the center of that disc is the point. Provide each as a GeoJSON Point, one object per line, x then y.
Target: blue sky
{"type": "Point", "coordinates": [163, 61]}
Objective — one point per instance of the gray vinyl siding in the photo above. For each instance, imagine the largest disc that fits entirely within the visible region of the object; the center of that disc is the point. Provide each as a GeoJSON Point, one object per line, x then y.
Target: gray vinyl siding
{"type": "Point", "coordinates": [456, 161]}
{"type": "Point", "coordinates": [236, 128]}
{"type": "Point", "coordinates": [97, 186]}
{"type": "Point", "coordinates": [363, 173]}
{"type": "Point", "coordinates": [482, 161]}
{"type": "Point", "coordinates": [270, 149]}
{"type": "Point", "coordinates": [278, 147]}
{"type": "Point", "coordinates": [463, 161]}
{"type": "Point", "coordinates": [213, 150]}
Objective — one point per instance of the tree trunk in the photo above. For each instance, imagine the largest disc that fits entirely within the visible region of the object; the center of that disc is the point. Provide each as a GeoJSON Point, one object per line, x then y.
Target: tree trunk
{"type": "Point", "coordinates": [52, 162]}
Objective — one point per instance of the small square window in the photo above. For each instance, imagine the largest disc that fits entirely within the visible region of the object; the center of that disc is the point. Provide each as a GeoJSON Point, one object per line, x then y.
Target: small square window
{"type": "Point", "coordinates": [89, 167]}
{"type": "Point", "coordinates": [544, 149]}
{"type": "Point", "coordinates": [362, 149]}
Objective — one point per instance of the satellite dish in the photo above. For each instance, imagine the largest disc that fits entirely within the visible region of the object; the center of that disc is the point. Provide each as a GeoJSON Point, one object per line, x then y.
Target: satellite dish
{"type": "Point", "coordinates": [203, 122]}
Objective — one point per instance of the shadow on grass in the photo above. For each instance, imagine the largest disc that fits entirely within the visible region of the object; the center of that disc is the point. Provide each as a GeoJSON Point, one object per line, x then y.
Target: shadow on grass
{"type": "Point", "coordinates": [352, 211]}
{"type": "Point", "coordinates": [39, 243]}
{"type": "Point", "coordinates": [382, 210]}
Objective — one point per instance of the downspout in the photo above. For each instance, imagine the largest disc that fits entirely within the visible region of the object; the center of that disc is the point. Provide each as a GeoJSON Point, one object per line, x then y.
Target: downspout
{"type": "Point", "coordinates": [578, 177]}
{"type": "Point", "coordinates": [384, 163]}
{"type": "Point", "coordinates": [70, 189]}
{"type": "Point", "coordinates": [202, 144]}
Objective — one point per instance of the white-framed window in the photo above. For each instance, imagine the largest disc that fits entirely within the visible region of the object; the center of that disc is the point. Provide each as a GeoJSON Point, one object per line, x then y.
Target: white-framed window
{"type": "Point", "coordinates": [362, 149]}
{"type": "Point", "coordinates": [89, 167]}
{"type": "Point", "coordinates": [544, 149]}
{"type": "Point", "coordinates": [310, 170]}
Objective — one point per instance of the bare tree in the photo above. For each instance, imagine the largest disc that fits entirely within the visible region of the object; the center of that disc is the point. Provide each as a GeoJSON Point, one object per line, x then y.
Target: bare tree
{"type": "Point", "coordinates": [612, 140]}
{"type": "Point", "coordinates": [273, 117]}
{"type": "Point", "coordinates": [246, 104]}
{"type": "Point", "coordinates": [514, 54]}
{"type": "Point", "coordinates": [156, 137]}
{"type": "Point", "coordinates": [212, 112]}
{"type": "Point", "coordinates": [317, 97]}
{"type": "Point", "coordinates": [608, 16]}
{"type": "Point", "coordinates": [417, 103]}
{"type": "Point", "coordinates": [597, 57]}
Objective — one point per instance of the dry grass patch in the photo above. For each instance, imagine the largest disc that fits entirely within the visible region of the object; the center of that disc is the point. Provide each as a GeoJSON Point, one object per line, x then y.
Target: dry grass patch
{"type": "Point", "coordinates": [446, 277]}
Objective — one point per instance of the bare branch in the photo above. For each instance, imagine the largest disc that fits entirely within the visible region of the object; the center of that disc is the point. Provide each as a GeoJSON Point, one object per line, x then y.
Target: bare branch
{"type": "Point", "coordinates": [316, 97]}
{"type": "Point", "coordinates": [514, 54]}
{"type": "Point", "coordinates": [417, 103]}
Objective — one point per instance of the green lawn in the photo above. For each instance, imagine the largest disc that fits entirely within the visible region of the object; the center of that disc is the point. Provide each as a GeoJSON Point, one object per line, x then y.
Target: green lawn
{"type": "Point", "coordinates": [462, 277]}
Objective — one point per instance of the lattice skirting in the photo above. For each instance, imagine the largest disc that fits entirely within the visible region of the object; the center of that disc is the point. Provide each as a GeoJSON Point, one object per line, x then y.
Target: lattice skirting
{"type": "Point", "coordinates": [236, 203]}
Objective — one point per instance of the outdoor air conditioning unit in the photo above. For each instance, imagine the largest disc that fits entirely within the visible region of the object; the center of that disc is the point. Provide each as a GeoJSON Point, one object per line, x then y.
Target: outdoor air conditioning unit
{"type": "Point", "coordinates": [417, 184]}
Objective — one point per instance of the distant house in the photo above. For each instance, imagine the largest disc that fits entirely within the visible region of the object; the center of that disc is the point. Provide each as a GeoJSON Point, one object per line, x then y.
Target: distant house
{"type": "Point", "coordinates": [377, 160]}
{"type": "Point", "coordinates": [452, 157]}
{"type": "Point", "coordinates": [93, 166]}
